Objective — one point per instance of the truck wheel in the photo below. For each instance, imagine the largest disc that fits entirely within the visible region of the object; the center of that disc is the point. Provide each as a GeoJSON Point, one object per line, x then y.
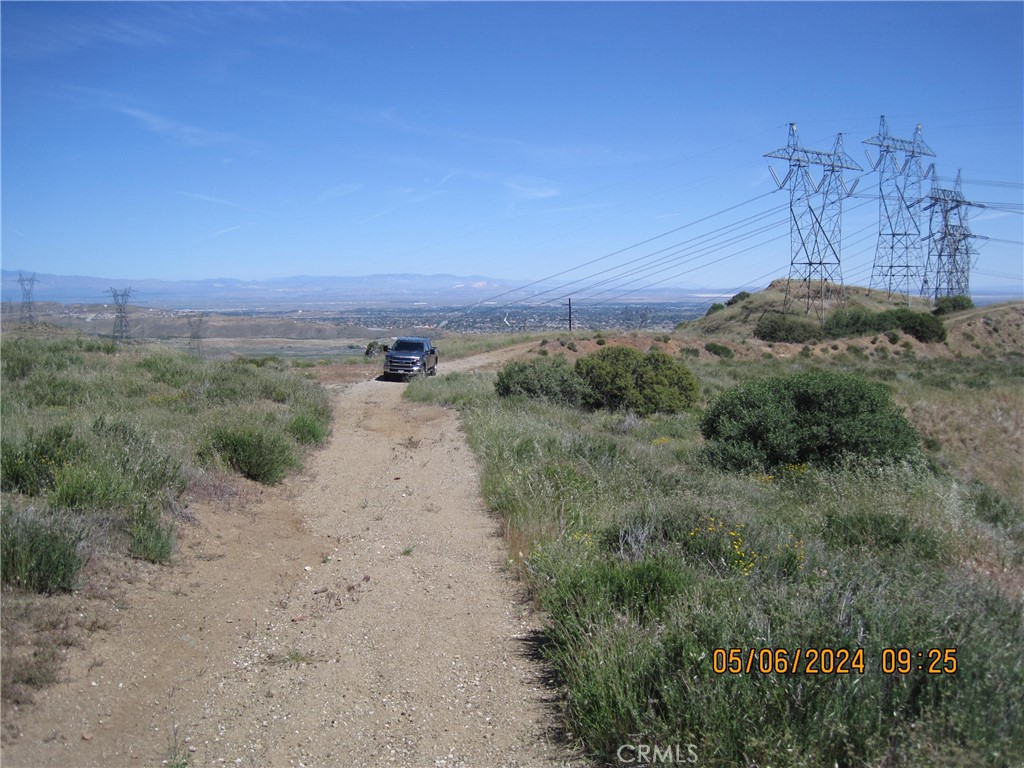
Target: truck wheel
{"type": "Point", "coordinates": [432, 371]}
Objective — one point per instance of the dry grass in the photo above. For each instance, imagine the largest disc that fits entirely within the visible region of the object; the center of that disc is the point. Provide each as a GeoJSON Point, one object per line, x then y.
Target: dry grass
{"type": "Point", "coordinates": [980, 433]}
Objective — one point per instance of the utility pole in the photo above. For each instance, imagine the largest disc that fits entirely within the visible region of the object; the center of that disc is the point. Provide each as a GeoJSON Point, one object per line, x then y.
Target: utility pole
{"type": "Point", "coordinates": [120, 313]}
{"type": "Point", "coordinates": [900, 253]}
{"type": "Point", "coordinates": [28, 309]}
{"type": "Point", "coordinates": [195, 340]}
{"type": "Point", "coordinates": [570, 315]}
{"type": "Point", "coordinates": [949, 242]}
{"type": "Point", "coordinates": [815, 217]}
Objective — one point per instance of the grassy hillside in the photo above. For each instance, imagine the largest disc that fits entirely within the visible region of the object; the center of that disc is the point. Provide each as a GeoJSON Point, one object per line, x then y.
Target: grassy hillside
{"type": "Point", "coordinates": [662, 576]}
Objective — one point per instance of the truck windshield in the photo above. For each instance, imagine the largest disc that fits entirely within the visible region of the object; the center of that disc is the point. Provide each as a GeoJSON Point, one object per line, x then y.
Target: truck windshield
{"type": "Point", "coordinates": [404, 345]}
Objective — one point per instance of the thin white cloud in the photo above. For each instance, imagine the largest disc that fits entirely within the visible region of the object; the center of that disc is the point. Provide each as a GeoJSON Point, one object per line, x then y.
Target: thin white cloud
{"type": "Point", "coordinates": [414, 199]}
{"type": "Point", "coordinates": [84, 26]}
{"type": "Point", "coordinates": [576, 154]}
{"type": "Point", "coordinates": [221, 232]}
{"type": "Point", "coordinates": [181, 132]}
{"type": "Point", "coordinates": [207, 198]}
{"type": "Point", "coordinates": [341, 190]}
{"type": "Point", "coordinates": [991, 216]}
{"type": "Point", "coordinates": [228, 229]}
{"type": "Point", "coordinates": [531, 188]}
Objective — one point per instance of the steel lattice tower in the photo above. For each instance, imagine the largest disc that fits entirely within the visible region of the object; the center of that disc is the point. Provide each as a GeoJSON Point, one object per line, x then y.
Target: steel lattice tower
{"type": "Point", "coordinates": [900, 254]}
{"type": "Point", "coordinates": [28, 307]}
{"type": "Point", "coordinates": [195, 339]}
{"type": "Point", "coordinates": [949, 243]}
{"type": "Point", "coordinates": [120, 312]}
{"type": "Point", "coordinates": [815, 212]}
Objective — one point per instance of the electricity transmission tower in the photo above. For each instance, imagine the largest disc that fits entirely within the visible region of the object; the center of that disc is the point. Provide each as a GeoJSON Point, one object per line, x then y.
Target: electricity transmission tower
{"type": "Point", "coordinates": [195, 338]}
{"type": "Point", "coordinates": [815, 218]}
{"type": "Point", "coordinates": [900, 253]}
{"type": "Point", "coordinates": [949, 243]}
{"type": "Point", "coordinates": [120, 312]}
{"type": "Point", "coordinates": [28, 309]}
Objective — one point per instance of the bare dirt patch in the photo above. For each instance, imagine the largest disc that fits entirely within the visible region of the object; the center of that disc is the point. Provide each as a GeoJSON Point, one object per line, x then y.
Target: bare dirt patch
{"type": "Point", "coordinates": [358, 614]}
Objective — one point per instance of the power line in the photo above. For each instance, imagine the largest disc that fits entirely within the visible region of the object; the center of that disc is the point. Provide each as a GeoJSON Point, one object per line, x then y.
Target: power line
{"type": "Point", "coordinates": [697, 268]}
{"type": "Point", "coordinates": [621, 250]}
{"type": "Point", "coordinates": [672, 255]}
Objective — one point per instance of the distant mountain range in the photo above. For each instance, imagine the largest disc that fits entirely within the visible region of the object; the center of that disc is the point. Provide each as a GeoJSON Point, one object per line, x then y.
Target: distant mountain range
{"type": "Point", "coordinates": [322, 292]}
{"type": "Point", "coordinates": [291, 292]}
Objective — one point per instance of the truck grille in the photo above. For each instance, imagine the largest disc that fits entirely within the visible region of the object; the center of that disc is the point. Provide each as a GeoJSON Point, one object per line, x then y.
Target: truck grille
{"type": "Point", "coordinates": [404, 365]}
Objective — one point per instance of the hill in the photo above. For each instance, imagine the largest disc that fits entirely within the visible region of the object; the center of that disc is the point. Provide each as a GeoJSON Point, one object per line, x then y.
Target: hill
{"type": "Point", "coordinates": [986, 331]}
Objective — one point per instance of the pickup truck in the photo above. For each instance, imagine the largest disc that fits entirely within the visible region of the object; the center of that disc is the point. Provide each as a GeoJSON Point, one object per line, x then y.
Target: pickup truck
{"type": "Point", "coordinates": [411, 356]}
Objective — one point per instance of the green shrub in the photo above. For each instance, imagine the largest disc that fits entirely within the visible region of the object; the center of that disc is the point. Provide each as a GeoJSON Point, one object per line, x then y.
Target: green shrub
{"type": "Point", "coordinates": [851, 321]}
{"type": "Point", "coordinates": [21, 356]}
{"type": "Point", "coordinates": [171, 368]}
{"type": "Point", "coordinates": [307, 429]}
{"type": "Point", "coordinates": [718, 350]}
{"type": "Point", "coordinates": [787, 328]}
{"type": "Point", "coordinates": [926, 328]}
{"type": "Point", "coordinates": [623, 378]}
{"type": "Point", "coordinates": [738, 298]}
{"type": "Point", "coordinates": [551, 380]}
{"type": "Point", "coordinates": [31, 467]}
{"type": "Point", "coordinates": [716, 307]}
{"type": "Point", "coordinates": [149, 539]}
{"type": "Point", "coordinates": [41, 553]}
{"type": "Point", "coordinates": [994, 508]}
{"type": "Point", "coordinates": [858, 321]}
{"type": "Point", "coordinates": [816, 417]}
{"type": "Point", "coordinates": [945, 305]}
{"type": "Point", "coordinates": [255, 452]}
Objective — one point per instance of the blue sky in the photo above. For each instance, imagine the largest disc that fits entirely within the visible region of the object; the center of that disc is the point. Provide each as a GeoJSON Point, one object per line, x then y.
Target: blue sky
{"type": "Point", "coordinates": [514, 140]}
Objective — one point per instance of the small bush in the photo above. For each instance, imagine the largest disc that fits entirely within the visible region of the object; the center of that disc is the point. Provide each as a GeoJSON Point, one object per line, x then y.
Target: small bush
{"type": "Point", "coordinates": [307, 429]}
{"type": "Point", "coordinates": [716, 307]}
{"type": "Point", "coordinates": [601, 342]}
{"type": "Point", "coordinates": [815, 417]}
{"type": "Point", "coordinates": [851, 321]}
{"type": "Point", "coordinates": [945, 305]}
{"type": "Point", "coordinates": [149, 539]}
{"type": "Point", "coordinates": [787, 328]}
{"type": "Point", "coordinates": [718, 350]}
{"type": "Point", "coordinates": [552, 380]}
{"type": "Point", "coordinates": [623, 378]}
{"type": "Point", "coordinates": [257, 453]}
{"type": "Point", "coordinates": [993, 508]}
{"type": "Point", "coordinates": [31, 467]}
{"type": "Point", "coordinates": [738, 298]}
{"type": "Point", "coordinates": [926, 328]}
{"type": "Point", "coordinates": [41, 553]}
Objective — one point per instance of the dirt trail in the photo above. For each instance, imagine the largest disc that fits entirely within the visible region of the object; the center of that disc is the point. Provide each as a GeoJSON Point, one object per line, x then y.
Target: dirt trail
{"type": "Point", "coordinates": [358, 615]}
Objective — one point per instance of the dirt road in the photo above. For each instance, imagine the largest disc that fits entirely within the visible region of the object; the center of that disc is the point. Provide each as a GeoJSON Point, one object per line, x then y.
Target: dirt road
{"type": "Point", "coordinates": [358, 615]}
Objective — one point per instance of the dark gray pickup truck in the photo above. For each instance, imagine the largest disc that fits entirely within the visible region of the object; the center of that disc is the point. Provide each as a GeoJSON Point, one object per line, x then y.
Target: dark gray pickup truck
{"type": "Point", "coordinates": [411, 356]}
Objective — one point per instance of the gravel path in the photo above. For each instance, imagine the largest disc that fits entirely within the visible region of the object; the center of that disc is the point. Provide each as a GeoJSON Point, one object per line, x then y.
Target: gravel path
{"type": "Point", "coordinates": [359, 615]}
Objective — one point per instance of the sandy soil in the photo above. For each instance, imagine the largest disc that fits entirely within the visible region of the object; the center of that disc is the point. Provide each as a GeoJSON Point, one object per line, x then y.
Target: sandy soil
{"type": "Point", "coordinates": [360, 614]}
